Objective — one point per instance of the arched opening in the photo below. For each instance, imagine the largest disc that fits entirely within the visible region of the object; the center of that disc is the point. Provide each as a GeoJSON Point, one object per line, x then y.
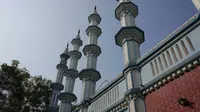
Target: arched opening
{"type": "Point", "coordinates": [184, 48]}
{"type": "Point", "coordinates": [190, 43]}
{"type": "Point", "coordinates": [179, 51]}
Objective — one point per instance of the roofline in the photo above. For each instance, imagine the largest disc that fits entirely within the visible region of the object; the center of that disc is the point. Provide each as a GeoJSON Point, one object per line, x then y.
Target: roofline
{"type": "Point", "coordinates": [194, 19]}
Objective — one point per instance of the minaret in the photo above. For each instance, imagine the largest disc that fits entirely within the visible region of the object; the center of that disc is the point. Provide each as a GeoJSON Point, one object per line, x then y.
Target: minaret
{"type": "Point", "coordinates": [67, 97]}
{"type": "Point", "coordinates": [129, 38]}
{"type": "Point", "coordinates": [197, 4]}
{"type": "Point", "coordinates": [57, 86]}
{"type": "Point", "coordinates": [90, 75]}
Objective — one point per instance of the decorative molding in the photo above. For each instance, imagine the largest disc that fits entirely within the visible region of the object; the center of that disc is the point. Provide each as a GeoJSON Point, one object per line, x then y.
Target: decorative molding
{"type": "Point", "coordinates": [89, 74]}
{"type": "Point", "coordinates": [129, 33]}
{"type": "Point", "coordinates": [67, 97]}
{"type": "Point", "coordinates": [94, 16]}
{"type": "Point", "coordinates": [94, 29]}
{"type": "Point", "coordinates": [176, 74]}
{"type": "Point", "coordinates": [92, 49]}
{"type": "Point", "coordinates": [124, 7]}
{"type": "Point", "coordinates": [75, 53]}
{"type": "Point", "coordinates": [192, 23]}
{"type": "Point", "coordinates": [77, 41]}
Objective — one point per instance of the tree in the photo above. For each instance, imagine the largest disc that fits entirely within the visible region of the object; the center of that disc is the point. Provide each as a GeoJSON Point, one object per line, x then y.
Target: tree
{"type": "Point", "coordinates": [21, 92]}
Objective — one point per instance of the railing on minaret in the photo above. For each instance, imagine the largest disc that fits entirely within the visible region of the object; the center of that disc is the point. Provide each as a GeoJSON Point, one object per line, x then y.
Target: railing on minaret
{"type": "Point", "coordinates": [57, 86]}
{"type": "Point", "coordinates": [67, 97]}
{"type": "Point", "coordinates": [90, 75]}
{"type": "Point", "coordinates": [129, 38]}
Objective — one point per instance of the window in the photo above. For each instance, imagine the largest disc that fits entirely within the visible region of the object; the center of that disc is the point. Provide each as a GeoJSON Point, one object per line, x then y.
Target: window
{"type": "Point", "coordinates": [190, 43]}
{"type": "Point", "coordinates": [174, 55]}
{"type": "Point", "coordinates": [184, 48]}
{"type": "Point", "coordinates": [179, 51]}
{"type": "Point", "coordinates": [165, 61]}
{"type": "Point", "coordinates": [169, 58]}
{"type": "Point", "coordinates": [152, 68]}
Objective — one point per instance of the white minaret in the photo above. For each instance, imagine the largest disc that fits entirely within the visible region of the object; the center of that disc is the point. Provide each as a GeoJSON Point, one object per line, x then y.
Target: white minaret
{"type": "Point", "coordinates": [57, 86]}
{"type": "Point", "coordinates": [67, 97]}
{"type": "Point", "coordinates": [197, 4]}
{"type": "Point", "coordinates": [129, 38]}
{"type": "Point", "coordinates": [90, 75]}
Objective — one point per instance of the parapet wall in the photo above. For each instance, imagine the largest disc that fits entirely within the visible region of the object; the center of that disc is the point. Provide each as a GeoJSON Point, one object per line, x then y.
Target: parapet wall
{"type": "Point", "coordinates": [172, 54]}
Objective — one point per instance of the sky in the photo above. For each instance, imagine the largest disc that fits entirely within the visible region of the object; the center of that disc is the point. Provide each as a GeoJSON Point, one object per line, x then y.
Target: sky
{"type": "Point", "coordinates": [36, 32]}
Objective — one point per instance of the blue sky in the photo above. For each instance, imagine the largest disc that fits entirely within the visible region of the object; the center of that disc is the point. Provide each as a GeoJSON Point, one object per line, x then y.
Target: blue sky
{"type": "Point", "coordinates": [36, 32]}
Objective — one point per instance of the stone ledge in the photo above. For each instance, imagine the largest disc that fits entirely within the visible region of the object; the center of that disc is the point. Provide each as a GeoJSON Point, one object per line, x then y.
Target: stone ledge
{"type": "Point", "coordinates": [71, 73]}
{"type": "Point", "coordinates": [75, 53]}
{"type": "Point", "coordinates": [92, 49]}
{"type": "Point", "coordinates": [94, 16]}
{"type": "Point", "coordinates": [126, 6]}
{"type": "Point", "coordinates": [129, 33]}
{"type": "Point", "coordinates": [94, 29]}
{"type": "Point", "coordinates": [89, 74]}
{"type": "Point", "coordinates": [77, 41]}
{"type": "Point", "coordinates": [67, 97]}
{"type": "Point", "coordinates": [57, 86]}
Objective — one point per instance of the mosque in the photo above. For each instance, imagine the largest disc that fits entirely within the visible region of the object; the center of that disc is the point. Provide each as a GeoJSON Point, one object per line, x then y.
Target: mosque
{"type": "Point", "coordinates": [165, 79]}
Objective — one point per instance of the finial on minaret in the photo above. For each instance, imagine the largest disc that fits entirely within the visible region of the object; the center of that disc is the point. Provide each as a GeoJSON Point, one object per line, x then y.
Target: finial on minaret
{"type": "Point", "coordinates": [79, 32]}
{"type": "Point", "coordinates": [67, 49]}
{"type": "Point", "coordinates": [95, 8]}
{"type": "Point", "coordinates": [78, 35]}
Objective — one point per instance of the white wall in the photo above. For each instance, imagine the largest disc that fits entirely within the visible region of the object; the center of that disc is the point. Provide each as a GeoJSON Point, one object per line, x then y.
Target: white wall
{"type": "Point", "coordinates": [109, 98]}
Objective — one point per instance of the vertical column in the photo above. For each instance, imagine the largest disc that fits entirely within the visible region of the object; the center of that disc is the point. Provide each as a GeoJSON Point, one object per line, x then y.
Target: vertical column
{"type": "Point", "coordinates": [67, 97]}
{"type": "Point", "coordinates": [57, 86]}
{"type": "Point", "coordinates": [129, 38]}
{"type": "Point", "coordinates": [90, 75]}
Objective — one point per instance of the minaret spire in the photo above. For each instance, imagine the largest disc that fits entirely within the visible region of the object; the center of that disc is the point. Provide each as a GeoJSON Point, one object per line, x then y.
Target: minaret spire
{"type": "Point", "coordinates": [67, 97]}
{"type": "Point", "coordinates": [95, 8]}
{"type": "Point", "coordinates": [57, 86]}
{"type": "Point", "coordinates": [78, 35]}
{"type": "Point", "coordinates": [90, 75]}
{"type": "Point", "coordinates": [129, 38]}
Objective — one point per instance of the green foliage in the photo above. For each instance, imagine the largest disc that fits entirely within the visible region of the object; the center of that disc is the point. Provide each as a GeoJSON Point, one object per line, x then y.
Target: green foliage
{"type": "Point", "coordinates": [21, 92]}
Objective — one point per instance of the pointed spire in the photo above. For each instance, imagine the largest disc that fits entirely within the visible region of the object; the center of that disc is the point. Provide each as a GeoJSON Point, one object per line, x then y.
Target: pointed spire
{"type": "Point", "coordinates": [78, 35]}
{"type": "Point", "coordinates": [79, 32]}
{"type": "Point", "coordinates": [67, 49]}
{"type": "Point", "coordinates": [95, 9]}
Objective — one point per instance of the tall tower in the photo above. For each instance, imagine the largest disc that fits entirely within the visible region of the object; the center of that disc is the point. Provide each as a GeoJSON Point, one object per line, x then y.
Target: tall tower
{"type": "Point", "coordinates": [197, 4]}
{"type": "Point", "coordinates": [90, 75]}
{"type": "Point", "coordinates": [129, 38]}
{"type": "Point", "coordinates": [57, 86]}
{"type": "Point", "coordinates": [67, 97]}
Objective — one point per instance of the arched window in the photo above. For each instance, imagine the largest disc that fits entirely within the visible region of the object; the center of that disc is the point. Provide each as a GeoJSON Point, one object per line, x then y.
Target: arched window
{"type": "Point", "coordinates": [169, 58]}
{"type": "Point", "coordinates": [174, 55]}
{"type": "Point", "coordinates": [184, 48]}
{"type": "Point", "coordinates": [165, 61]}
{"type": "Point", "coordinates": [156, 65]}
{"type": "Point", "coordinates": [160, 63]}
{"type": "Point", "coordinates": [179, 51]}
{"type": "Point", "coordinates": [190, 43]}
{"type": "Point", "coordinates": [152, 68]}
